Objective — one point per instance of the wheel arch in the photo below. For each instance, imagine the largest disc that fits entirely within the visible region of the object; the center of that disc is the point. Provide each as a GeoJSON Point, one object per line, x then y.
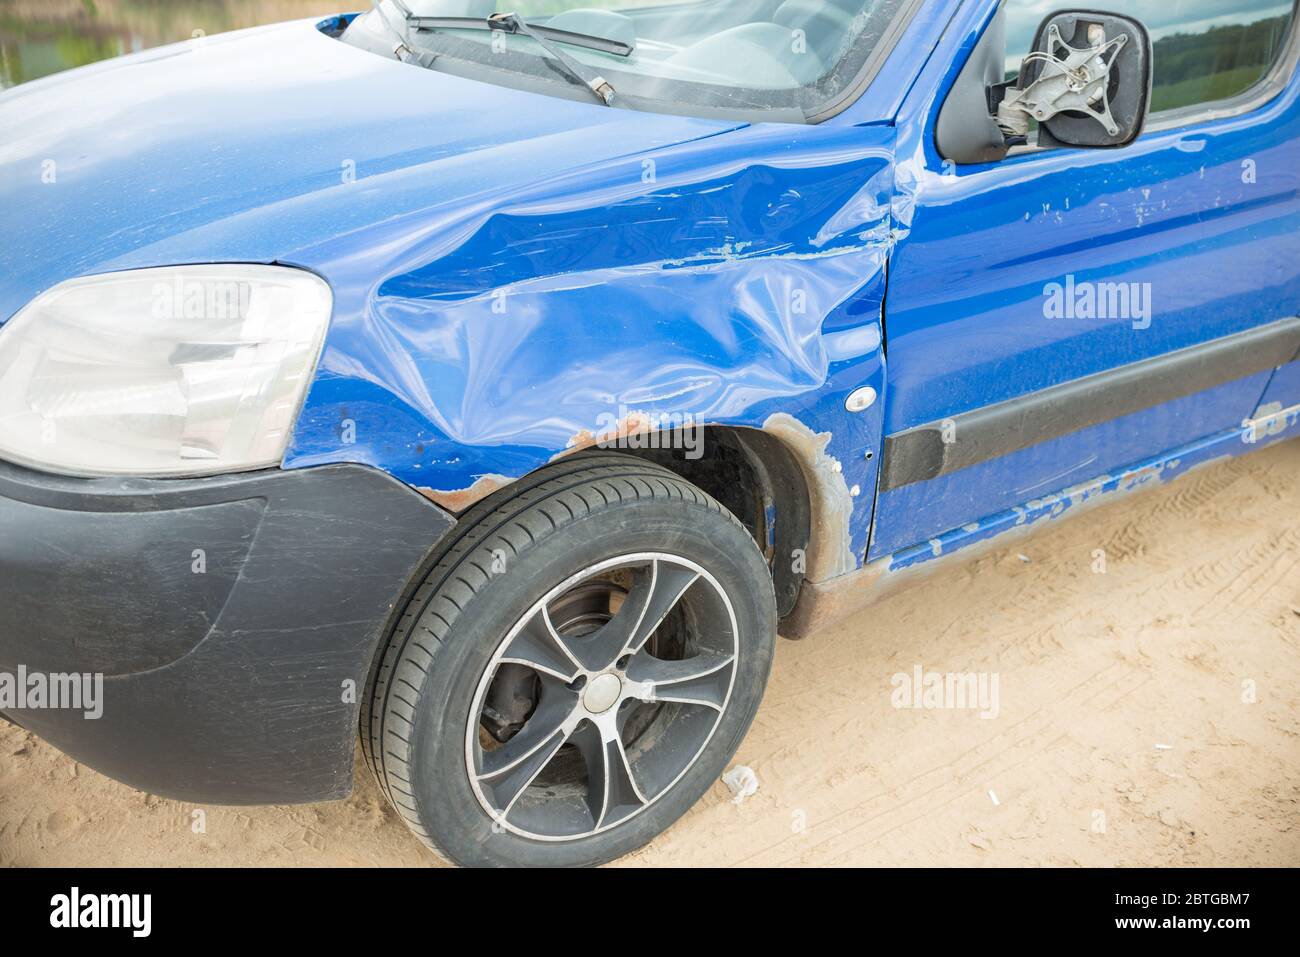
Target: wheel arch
{"type": "Point", "coordinates": [755, 475]}
{"type": "Point", "coordinates": [757, 478]}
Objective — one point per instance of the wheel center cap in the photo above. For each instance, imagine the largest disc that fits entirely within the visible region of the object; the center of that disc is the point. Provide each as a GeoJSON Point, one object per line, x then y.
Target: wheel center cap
{"type": "Point", "coordinates": [601, 693]}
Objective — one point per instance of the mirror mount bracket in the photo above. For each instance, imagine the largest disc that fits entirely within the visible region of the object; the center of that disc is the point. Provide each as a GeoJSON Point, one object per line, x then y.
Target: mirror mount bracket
{"type": "Point", "coordinates": [1068, 79]}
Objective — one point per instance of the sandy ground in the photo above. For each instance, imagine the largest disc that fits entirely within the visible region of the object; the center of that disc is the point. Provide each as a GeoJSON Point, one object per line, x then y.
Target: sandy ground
{"type": "Point", "coordinates": [1148, 715]}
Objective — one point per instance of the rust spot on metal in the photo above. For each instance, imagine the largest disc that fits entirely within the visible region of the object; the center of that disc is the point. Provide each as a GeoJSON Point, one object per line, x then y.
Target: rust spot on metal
{"type": "Point", "coordinates": [634, 423]}
{"type": "Point", "coordinates": [461, 499]}
{"type": "Point", "coordinates": [830, 551]}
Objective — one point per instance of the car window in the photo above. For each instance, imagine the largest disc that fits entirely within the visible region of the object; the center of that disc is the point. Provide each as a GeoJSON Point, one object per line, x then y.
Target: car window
{"type": "Point", "coordinates": [1205, 50]}
{"type": "Point", "coordinates": [758, 56]}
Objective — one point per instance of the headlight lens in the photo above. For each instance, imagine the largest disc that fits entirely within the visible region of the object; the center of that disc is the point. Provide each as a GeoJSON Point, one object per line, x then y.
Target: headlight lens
{"type": "Point", "coordinates": [190, 370]}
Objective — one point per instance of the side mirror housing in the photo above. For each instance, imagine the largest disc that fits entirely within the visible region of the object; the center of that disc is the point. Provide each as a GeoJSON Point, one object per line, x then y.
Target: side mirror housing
{"type": "Point", "coordinates": [1087, 84]}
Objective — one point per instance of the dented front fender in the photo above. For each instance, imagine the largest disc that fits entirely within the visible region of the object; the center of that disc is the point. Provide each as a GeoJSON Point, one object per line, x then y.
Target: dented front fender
{"type": "Point", "coordinates": [734, 280]}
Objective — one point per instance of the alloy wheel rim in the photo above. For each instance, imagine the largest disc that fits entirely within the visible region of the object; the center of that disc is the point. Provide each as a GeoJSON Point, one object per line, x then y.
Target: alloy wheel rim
{"type": "Point", "coordinates": [625, 700]}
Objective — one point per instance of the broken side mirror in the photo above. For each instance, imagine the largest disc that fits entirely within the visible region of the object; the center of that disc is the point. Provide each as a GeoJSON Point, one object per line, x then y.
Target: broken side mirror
{"type": "Point", "coordinates": [1087, 83]}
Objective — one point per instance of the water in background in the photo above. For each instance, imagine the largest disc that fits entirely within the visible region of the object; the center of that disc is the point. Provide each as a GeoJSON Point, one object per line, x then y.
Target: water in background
{"type": "Point", "coordinates": [40, 37]}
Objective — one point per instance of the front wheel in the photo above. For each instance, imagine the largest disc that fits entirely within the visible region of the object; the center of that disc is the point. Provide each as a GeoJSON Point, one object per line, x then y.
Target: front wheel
{"type": "Point", "coordinates": [576, 670]}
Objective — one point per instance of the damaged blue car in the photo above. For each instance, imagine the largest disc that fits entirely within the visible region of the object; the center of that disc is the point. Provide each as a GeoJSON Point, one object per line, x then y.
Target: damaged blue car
{"type": "Point", "coordinates": [502, 381]}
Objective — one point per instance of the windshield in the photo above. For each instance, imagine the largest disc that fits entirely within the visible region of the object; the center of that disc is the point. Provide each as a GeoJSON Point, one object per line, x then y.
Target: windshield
{"type": "Point", "coordinates": [781, 59]}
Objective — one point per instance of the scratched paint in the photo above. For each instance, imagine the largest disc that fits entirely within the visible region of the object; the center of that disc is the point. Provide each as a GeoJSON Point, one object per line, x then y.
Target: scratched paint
{"type": "Point", "coordinates": [1165, 468]}
{"type": "Point", "coordinates": [1013, 481]}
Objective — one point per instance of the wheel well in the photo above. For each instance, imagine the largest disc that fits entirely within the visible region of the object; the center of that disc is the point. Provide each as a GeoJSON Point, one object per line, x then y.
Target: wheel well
{"type": "Point", "coordinates": [756, 478]}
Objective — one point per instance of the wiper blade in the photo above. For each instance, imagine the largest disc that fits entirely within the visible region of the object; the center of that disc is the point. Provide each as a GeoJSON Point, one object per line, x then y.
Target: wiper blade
{"type": "Point", "coordinates": [513, 23]}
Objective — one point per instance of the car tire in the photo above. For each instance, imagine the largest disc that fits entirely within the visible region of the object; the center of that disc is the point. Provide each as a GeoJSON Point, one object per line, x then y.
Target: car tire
{"type": "Point", "coordinates": [571, 758]}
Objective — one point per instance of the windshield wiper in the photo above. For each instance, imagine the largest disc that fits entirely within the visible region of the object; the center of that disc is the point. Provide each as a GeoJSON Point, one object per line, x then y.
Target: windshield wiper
{"type": "Point", "coordinates": [513, 23]}
{"type": "Point", "coordinates": [402, 51]}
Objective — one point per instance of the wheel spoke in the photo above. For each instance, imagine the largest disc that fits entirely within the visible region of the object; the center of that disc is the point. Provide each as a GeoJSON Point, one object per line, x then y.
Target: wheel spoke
{"type": "Point", "coordinates": [655, 590]}
{"type": "Point", "coordinates": [702, 680]}
{"type": "Point", "coordinates": [612, 791]}
{"type": "Point", "coordinates": [540, 647]}
{"type": "Point", "coordinates": [509, 785]}
{"type": "Point", "coordinates": [556, 712]}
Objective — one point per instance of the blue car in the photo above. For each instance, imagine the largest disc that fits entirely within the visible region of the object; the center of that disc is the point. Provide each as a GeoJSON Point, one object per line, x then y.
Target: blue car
{"type": "Point", "coordinates": [502, 382]}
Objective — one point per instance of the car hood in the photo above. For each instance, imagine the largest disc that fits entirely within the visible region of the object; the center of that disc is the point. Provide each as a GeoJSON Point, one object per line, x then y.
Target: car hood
{"type": "Point", "coordinates": [252, 145]}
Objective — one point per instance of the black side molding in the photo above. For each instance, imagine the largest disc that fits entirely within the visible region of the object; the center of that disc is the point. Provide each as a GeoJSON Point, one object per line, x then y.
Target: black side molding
{"type": "Point", "coordinates": [921, 454]}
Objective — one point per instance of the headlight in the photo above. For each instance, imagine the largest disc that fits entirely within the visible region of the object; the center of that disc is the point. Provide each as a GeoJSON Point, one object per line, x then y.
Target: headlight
{"type": "Point", "coordinates": [190, 370]}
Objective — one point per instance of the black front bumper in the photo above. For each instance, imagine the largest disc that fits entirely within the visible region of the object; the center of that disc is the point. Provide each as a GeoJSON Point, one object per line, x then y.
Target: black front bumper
{"type": "Point", "coordinates": [234, 619]}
